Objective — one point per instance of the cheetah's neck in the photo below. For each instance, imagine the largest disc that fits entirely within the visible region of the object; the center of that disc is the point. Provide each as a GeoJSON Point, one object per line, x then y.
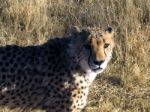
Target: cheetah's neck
{"type": "Point", "coordinates": [77, 59]}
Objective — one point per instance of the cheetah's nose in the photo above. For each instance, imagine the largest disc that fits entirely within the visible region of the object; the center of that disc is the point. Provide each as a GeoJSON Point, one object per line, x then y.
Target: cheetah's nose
{"type": "Point", "coordinates": [98, 62]}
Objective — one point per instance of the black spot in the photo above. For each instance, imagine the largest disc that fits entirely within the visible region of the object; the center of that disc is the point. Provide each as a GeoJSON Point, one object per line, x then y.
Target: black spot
{"type": "Point", "coordinates": [3, 69]}
{"type": "Point", "coordinates": [16, 103]}
{"type": "Point", "coordinates": [17, 83]}
{"type": "Point", "coordinates": [23, 99]}
{"type": "Point", "coordinates": [51, 80]}
{"type": "Point", "coordinates": [74, 95]}
{"type": "Point", "coordinates": [81, 81]}
{"type": "Point", "coordinates": [4, 58]}
{"type": "Point", "coordinates": [44, 74]}
{"type": "Point", "coordinates": [13, 79]}
{"type": "Point", "coordinates": [52, 107]}
{"type": "Point", "coordinates": [56, 83]}
{"type": "Point", "coordinates": [8, 54]}
{"type": "Point", "coordinates": [1, 63]}
{"type": "Point", "coordinates": [69, 110]}
{"type": "Point", "coordinates": [3, 77]}
{"type": "Point", "coordinates": [15, 65]}
{"type": "Point", "coordinates": [18, 59]}
{"type": "Point", "coordinates": [5, 102]}
{"type": "Point", "coordinates": [38, 80]}
{"type": "Point", "coordinates": [13, 97]}
{"type": "Point", "coordinates": [78, 92]}
{"type": "Point", "coordinates": [55, 69]}
{"type": "Point", "coordinates": [59, 67]}
{"type": "Point", "coordinates": [11, 93]}
{"type": "Point", "coordinates": [26, 91]}
{"type": "Point", "coordinates": [14, 56]}
{"type": "Point", "coordinates": [19, 52]}
{"type": "Point", "coordinates": [18, 78]}
{"type": "Point", "coordinates": [44, 64]}
{"type": "Point", "coordinates": [23, 55]}
{"type": "Point", "coordinates": [60, 80]}
{"type": "Point", "coordinates": [12, 70]}
{"type": "Point", "coordinates": [56, 77]}
{"type": "Point", "coordinates": [62, 86]}
{"type": "Point", "coordinates": [58, 89]}
{"type": "Point", "coordinates": [19, 71]}
{"type": "Point", "coordinates": [62, 74]}
{"type": "Point", "coordinates": [2, 51]}
{"type": "Point", "coordinates": [49, 67]}
{"type": "Point", "coordinates": [31, 89]}
{"type": "Point", "coordinates": [81, 97]}
{"type": "Point", "coordinates": [63, 66]}
{"type": "Point", "coordinates": [30, 104]}
{"type": "Point", "coordinates": [18, 93]}
{"type": "Point", "coordinates": [49, 74]}
{"type": "Point", "coordinates": [68, 93]}
{"type": "Point", "coordinates": [21, 86]}
{"type": "Point", "coordinates": [50, 59]}
{"type": "Point", "coordinates": [46, 52]}
{"type": "Point", "coordinates": [30, 80]}
{"type": "Point", "coordinates": [6, 64]}
{"type": "Point", "coordinates": [23, 102]}
{"type": "Point", "coordinates": [25, 77]}
{"type": "Point", "coordinates": [62, 106]}
{"type": "Point", "coordinates": [83, 87]}
{"type": "Point", "coordinates": [11, 61]}
{"type": "Point", "coordinates": [82, 103]}
{"type": "Point", "coordinates": [67, 101]}
{"type": "Point", "coordinates": [2, 97]}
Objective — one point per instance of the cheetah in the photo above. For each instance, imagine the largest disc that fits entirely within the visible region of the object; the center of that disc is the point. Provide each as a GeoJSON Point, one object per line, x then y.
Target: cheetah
{"type": "Point", "coordinates": [54, 76]}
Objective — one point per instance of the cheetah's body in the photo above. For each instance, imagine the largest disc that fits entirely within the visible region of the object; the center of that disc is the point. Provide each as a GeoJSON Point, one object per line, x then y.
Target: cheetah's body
{"type": "Point", "coordinates": [48, 76]}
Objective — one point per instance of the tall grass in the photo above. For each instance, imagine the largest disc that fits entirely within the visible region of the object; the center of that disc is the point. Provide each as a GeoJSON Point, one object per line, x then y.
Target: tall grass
{"type": "Point", "coordinates": [125, 85]}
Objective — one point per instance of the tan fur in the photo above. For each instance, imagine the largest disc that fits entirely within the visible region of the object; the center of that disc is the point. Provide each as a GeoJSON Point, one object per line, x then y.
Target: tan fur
{"type": "Point", "coordinates": [98, 41]}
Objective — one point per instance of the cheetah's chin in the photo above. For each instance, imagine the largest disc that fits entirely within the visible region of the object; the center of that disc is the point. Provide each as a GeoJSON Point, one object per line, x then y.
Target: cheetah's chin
{"type": "Point", "coordinates": [100, 68]}
{"type": "Point", "coordinates": [96, 69]}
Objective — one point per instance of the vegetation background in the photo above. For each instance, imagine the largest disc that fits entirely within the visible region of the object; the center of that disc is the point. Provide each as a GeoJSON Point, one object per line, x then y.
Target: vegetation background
{"type": "Point", "coordinates": [125, 85]}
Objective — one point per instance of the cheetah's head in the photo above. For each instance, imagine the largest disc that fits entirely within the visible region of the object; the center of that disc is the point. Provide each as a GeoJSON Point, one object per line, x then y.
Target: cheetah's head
{"type": "Point", "coordinates": [94, 47]}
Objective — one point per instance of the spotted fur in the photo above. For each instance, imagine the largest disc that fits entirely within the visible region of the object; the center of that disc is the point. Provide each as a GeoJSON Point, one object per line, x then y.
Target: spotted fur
{"type": "Point", "coordinates": [55, 76]}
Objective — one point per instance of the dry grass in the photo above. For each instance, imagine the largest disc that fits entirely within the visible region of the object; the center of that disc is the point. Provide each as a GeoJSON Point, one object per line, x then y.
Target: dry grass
{"type": "Point", "coordinates": [125, 85]}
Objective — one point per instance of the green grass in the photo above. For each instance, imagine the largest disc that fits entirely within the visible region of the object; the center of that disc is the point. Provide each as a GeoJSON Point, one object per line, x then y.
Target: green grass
{"type": "Point", "coordinates": [125, 85]}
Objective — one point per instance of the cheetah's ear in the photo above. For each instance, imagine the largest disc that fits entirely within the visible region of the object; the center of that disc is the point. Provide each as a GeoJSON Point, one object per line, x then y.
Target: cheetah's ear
{"type": "Point", "coordinates": [109, 31]}
{"type": "Point", "coordinates": [74, 30]}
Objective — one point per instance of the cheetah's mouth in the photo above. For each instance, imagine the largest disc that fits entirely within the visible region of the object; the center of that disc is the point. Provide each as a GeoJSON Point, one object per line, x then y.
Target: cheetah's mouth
{"type": "Point", "coordinates": [93, 66]}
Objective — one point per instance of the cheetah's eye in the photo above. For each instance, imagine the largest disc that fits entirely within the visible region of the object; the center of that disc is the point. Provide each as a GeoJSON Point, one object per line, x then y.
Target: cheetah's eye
{"type": "Point", "coordinates": [106, 45]}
